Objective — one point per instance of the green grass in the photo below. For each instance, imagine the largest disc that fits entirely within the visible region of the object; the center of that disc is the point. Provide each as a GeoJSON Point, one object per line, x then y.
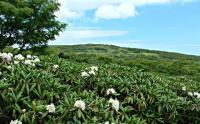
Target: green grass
{"type": "Point", "coordinates": [157, 62]}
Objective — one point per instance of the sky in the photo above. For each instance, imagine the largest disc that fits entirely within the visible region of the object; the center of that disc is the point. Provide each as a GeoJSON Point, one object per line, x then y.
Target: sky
{"type": "Point", "coordinates": [166, 25]}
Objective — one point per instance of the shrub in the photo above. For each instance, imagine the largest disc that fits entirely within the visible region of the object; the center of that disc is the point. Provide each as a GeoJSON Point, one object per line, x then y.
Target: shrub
{"type": "Point", "coordinates": [26, 91]}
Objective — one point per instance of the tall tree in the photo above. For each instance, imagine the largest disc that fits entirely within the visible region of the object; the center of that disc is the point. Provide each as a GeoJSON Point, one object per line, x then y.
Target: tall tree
{"type": "Point", "coordinates": [28, 23]}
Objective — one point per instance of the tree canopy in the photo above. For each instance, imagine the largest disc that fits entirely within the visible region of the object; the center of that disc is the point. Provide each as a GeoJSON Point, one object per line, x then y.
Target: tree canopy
{"type": "Point", "coordinates": [28, 23]}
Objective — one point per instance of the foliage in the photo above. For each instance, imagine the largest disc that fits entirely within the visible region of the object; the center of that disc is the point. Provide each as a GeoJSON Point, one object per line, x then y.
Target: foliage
{"type": "Point", "coordinates": [143, 97]}
{"type": "Point", "coordinates": [28, 23]}
{"type": "Point", "coordinates": [157, 62]}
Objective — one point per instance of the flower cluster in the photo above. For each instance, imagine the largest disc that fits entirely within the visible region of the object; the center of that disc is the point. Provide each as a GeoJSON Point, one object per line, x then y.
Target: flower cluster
{"type": "Point", "coordinates": [28, 60]}
{"type": "Point", "coordinates": [91, 71]}
{"type": "Point", "coordinates": [80, 104]}
{"type": "Point", "coordinates": [6, 56]}
{"type": "Point", "coordinates": [114, 103]}
{"type": "Point", "coordinates": [31, 60]}
{"type": "Point", "coordinates": [51, 108]}
{"type": "Point", "coordinates": [15, 122]}
{"type": "Point", "coordinates": [194, 94]}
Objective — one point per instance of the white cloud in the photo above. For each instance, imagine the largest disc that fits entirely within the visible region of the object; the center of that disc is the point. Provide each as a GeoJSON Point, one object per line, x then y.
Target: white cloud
{"type": "Point", "coordinates": [67, 14]}
{"type": "Point", "coordinates": [78, 35]}
{"type": "Point", "coordinates": [146, 2]}
{"type": "Point", "coordinates": [75, 9]}
{"type": "Point", "coordinates": [87, 34]}
{"type": "Point", "coordinates": [122, 11]}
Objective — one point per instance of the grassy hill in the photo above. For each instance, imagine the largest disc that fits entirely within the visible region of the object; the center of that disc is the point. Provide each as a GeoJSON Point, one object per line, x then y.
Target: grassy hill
{"type": "Point", "coordinates": [99, 84]}
{"type": "Point", "coordinates": [157, 62]}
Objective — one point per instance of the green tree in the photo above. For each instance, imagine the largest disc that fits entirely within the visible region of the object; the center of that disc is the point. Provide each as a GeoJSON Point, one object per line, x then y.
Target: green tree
{"type": "Point", "coordinates": [28, 23]}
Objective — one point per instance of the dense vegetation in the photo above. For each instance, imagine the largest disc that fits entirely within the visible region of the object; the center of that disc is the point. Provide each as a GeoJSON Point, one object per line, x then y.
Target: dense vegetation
{"type": "Point", "coordinates": [157, 62]}
{"type": "Point", "coordinates": [70, 85]}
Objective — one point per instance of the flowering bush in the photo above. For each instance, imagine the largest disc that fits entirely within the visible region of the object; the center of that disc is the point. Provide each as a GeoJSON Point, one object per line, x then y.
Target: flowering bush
{"type": "Point", "coordinates": [83, 93]}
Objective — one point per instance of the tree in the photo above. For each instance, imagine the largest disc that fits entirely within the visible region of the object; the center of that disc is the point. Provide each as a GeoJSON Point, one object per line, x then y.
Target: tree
{"type": "Point", "coordinates": [28, 23]}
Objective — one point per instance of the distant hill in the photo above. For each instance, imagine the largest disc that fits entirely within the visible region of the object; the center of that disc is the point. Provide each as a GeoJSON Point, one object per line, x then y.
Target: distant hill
{"type": "Point", "coordinates": [112, 50]}
{"type": "Point", "coordinates": [158, 62]}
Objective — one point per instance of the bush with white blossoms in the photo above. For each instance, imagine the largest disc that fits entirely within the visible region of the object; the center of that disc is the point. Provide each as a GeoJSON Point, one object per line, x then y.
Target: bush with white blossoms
{"type": "Point", "coordinates": [80, 104]}
{"type": "Point", "coordinates": [140, 97]}
{"type": "Point", "coordinates": [114, 103]}
{"type": "Point", "coordinates": [15, 122]}
{"type": "Point", "coordinates": [19, 58]}
{"type": "Point", "coordinates": [51, 108]}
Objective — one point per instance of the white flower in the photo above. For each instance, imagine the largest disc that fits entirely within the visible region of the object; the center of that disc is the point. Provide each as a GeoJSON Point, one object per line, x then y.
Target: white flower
{"type": "Point", "coordinates": [197, 94]}
{"type": "Point", "coordinates": [184, 88]}
{"type": "Point", "coordinates": [6, 56]}
{"type": "Point", "coordinates": [91, 72]}
{"type": "Point", "coordinates": [110, 91]}
{"type": "Point", "coordinates": [28, 62]}
{"type": "Point", "coordinates": [190, 94]}
{"type": "Point", "coordinates": [180, 98]}
{"type": "Point", "coordinates": [94, 68]}
{"type": "Point", "coordinates": [55, 66]}
{"type": "Point", "coordinates": [35, 57]}
{"type": "Point", "coordinates": [23, 110]}
{"type": "Point", "coordinates": [80, 104]}
{"type": "Point", "coordinates": [51, 108]}
{"type": "Point", "coordinates": [36, 60]}
{"type": "Point", "coordinates": [29, 57]}
{"type": "Point", "coordinates": [19, 57]}
{"type": "Point", "coordinates": [85, 74]}
{"type": "Point", "coordinates": [106, 122]}
{"type": "Point", "coordinates": [10, 54]}
{"type": "Point", "coordinates": [115, 104]}
{"type": "Point", "coordinates": [15, 122]}
{"type": "Point", "coordinates": [9, 67]}
{"type": "Point", "coordinates": [16, 62]}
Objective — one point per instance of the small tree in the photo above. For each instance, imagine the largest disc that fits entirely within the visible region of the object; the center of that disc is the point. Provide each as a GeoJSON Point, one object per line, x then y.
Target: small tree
{"type": "Point", "coordinates": [28, 23]}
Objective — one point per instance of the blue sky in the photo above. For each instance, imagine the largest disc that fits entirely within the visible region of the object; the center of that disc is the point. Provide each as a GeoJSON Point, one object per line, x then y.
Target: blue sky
{"type": "Point", "coordinates": [167, 25]}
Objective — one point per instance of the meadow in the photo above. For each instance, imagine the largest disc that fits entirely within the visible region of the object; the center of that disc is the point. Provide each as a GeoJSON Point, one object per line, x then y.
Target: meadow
{"type": "Point", "coordinates": [98, 84]}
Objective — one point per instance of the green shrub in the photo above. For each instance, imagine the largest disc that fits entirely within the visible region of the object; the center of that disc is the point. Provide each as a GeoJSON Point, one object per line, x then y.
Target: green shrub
{"type": "Point", "coordinates": [143, 97]}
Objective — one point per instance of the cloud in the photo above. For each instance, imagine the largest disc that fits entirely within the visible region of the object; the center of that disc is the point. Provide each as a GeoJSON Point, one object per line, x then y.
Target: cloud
{"type": "Point", "coordinates": [122, 11]}
{"type": "Point", "coordinates": [68, 14]}
{"type": "Point", "coordinates": [117, 9]}
{"type": "Point", "coordinates": [85, 34]}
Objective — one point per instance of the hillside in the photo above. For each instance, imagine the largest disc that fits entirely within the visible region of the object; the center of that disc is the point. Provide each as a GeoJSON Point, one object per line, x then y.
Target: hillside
{"type": "Point", "coordinates": [49, 89]}
{"type": "Point", "coordinates": [157, 62]}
